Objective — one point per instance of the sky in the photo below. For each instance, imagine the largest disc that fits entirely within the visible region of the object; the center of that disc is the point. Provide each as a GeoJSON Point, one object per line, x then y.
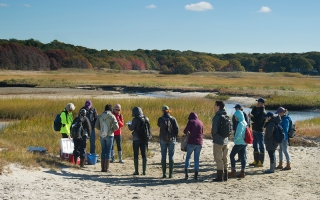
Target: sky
{"type": "Point", "coordinates": [220, 26]}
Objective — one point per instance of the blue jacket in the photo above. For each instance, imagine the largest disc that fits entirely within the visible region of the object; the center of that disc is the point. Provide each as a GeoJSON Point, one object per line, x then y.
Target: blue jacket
{"type": "Point", "coordinates": [241, 129]}
{"type": "Point", "coordinates": [285, 123]}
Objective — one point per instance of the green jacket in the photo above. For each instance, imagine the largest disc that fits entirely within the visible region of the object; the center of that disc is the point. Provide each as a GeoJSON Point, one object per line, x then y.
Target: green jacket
{"type": "Point", "coordinates": [66, 121]}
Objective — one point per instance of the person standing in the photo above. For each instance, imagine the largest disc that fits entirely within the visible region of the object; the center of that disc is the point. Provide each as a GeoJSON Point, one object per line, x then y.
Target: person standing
{"type": "Point", "coordinates": [271, 144]}
{"type": "Point", "coordinates": [220, 142]}
{"type": "Point", "coordinates": [66, 120]}
{"type": "Point", "coordinates": [169, 130]}
{"type": "Point", "coordinates": [92, 115]}
{"type": "Point", "coordinates": [117, 133]}
{"type": "Point", "coordinates": [195, 130]}
{"type": "Point", "coordinates": [285, 124]}
{"type": "Point", "coordinates": [80, 129]}
{"type": "Point", "coordinates": [106, 124]}
{"type": "Point", "coordinates": [240, 145]}
{"type": "Point", "coordinates": [138, 142]}
{"type": "Point", "coordinates": [258, 117]}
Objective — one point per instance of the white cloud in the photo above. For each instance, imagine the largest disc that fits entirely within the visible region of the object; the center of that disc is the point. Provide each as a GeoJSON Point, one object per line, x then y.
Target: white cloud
{"type": "Point", "coordinates": [264, 9]}
{"type": "Point", "coordinates": [26, 5]}
{"type": "Point", "coordinates": [3, 5]}
{"type": "Point", "coordinates": [201, 6]}
{"type": "Point", "coordinates": [150, 6]}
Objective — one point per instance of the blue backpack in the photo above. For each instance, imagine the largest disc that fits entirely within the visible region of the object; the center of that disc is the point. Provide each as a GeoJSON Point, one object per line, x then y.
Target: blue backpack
{"type": "Point", "coordinates": [57, 122]}
{"type": "Point", "coordinates": [278, 134]}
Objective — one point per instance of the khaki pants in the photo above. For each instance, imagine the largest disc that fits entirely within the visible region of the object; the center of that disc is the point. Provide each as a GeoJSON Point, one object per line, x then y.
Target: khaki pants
{"type": "Point", "coordinates": [220, 153]}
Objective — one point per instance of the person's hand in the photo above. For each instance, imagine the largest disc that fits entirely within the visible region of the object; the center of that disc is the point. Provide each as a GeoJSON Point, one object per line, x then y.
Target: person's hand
{"type": "Point", "coordinates": [69, 137]}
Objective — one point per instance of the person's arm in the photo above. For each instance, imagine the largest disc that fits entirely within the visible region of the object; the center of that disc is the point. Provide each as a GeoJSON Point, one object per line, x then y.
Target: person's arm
{"type": "Point", "coordinates": [115, 125]}
{"type": "Point", "coordinates": [214, 129]}
{"type": "Point", "coordinates": [269, 129]}
{"type": "Point", "coordinates": [176, 127]}
{"type": "Point", "coordinates": [238, 136]}
{"type": "Point", "coordinates": [187, 129]}
{"type": "Point", "coordinates": [87, 126]}
{"type": "Point", "coordinates": [97, 124]}
{"type": "Point", "coordinates": [234, 123]}
{"type": "Point", "coordinates": [285, 123]}
{"type": "Point", "coordinates": [121, 121]}
{"type": "Point", "coordinates": [133, 125]}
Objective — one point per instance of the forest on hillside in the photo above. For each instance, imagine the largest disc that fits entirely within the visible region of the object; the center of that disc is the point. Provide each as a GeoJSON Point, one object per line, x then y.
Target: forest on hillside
{"type": "Point", "coordinates": [33, 55]}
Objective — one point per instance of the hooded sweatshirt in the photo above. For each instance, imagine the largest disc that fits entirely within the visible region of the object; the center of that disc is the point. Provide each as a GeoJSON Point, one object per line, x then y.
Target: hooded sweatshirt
{"type": "Point", "coordinates": [195, 128]}
{"type": "Point", "coordinates": [138, 115]}
{"type": "Point", "coordinates": [285, 123]}
{"type": "Point", "coordinates": [216, 138]}
{"type": "Point", "coordinates": [110, 120]}
{"type": "Point", "coordinates": [241, 129]}
{"type": "Point", "coordinates": [271, 145]}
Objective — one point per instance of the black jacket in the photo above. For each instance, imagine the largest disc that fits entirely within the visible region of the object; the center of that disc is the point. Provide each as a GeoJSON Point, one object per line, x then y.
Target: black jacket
{"type": "Point", "coordinates": [271, 145]}
{"type": "Point", "coordinates": [258, 118]}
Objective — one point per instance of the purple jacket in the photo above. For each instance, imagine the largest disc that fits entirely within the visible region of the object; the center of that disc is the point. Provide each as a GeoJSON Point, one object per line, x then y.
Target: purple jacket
{"type": "Point", "coordinates": [195, 127]}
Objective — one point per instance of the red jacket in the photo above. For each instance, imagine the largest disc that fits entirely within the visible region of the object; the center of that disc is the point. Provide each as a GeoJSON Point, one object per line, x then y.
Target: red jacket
{"type": "Point", "coordinates": [120, 120]}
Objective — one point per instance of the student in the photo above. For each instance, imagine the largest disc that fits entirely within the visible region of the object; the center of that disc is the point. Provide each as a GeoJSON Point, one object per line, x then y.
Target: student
{"type": "Point", "coordinates": [195, 130]}
{"type": "Point", "coordinates": [92, 115]}
{"type": "Point", "coordinates": [220, 143]}
{"type": "Point", "coordinates": [138, 143]}
{"type": "Point", "coordinates": [106, 124]}
{"type": "Point", "coordinates": [169, 130]}
{"type": "Point", "coordinates": [66, 120]}
{"type": "Point", "coordinates": [285, 123]}
{"type": "Point", "coordinates": [271, 144]}
{"type": "Point", "coordinates": [117, 133]}
{"type": "Point", "coordinates": [240, 145]}
{"type": "Point", "coordinates": [258, 117]}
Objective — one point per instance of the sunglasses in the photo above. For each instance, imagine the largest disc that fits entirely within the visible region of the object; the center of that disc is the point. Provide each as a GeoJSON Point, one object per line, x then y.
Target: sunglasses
{"type": "Point", "coordinates": [117, 109]}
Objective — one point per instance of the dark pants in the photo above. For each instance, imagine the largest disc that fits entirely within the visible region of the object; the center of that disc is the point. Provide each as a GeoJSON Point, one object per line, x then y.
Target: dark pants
{"type": "Point", "coordinates": [241, 151]}
{"type": "Point", "coordinates": [80, 147]}
{"type": "Point", "coordinates": [137, 144]}
{"type": "Point", "coordinates": [272, 156]}
{"type": "Point", "coordinates": [118, 140]}
{"type": "Point", "coordinates": [64, 135]}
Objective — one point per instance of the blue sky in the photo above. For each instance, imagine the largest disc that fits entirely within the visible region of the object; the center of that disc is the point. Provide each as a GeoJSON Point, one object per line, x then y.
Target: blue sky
{"type": "Point", "coordinates": [220, 26]}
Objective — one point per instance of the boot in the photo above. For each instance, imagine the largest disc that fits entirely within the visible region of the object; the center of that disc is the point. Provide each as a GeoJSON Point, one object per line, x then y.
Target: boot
{"type": "Point", "coordinates": [241, 175]}
{"type": "Point", "coordinates": [164, 168]}
{"type": "Point", "coordinates": [144, 166]}
{"type": "Point", "coordinates": [112, 156]}
{"type": "Point", "coordinates": [272, 168]}
{"type": "Point", "coordinates": [256, 158]}
{"type": "Point", "coordinates": [75, 160]}
{"type": "Point", "coordinates": [219, 176]}
{"type": "Point", "coordinates": [186, 174]}
{"type": "Point", "coordinates": [225, 177]}
{"type": "Point", "coordinates": [232, 174]}
{"type": "Point", "coordinates": [136, 167]}
{"type": "Point", "coordinates": [107, 164]}
{"type": "Point", "coordinates": [280, 165]}
{"type": "Point", "coordinates": [103, 165]}
{"type": "Point", "coordinates": [82, 163]}
{"type": "Point", "coordinates": [120, 157]}
{"type": "Point", "coordinates": [288, 167]}
{"type": "Point", "coordinates": [196, 175]}
{"type": "Point", "coordinates": [171, 163]}
{"type": "Point", "coordinates": [261, 160]}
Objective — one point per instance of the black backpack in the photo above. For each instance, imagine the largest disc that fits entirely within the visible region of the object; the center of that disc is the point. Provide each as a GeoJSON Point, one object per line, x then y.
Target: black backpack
{"type": "Point", "coordinates": [144, 132]}
{"type": "Point", "coordinates": [168, 129]}
{"type": "Point", "coordinates": [278, 134]}
{"type": "Point", "coordinates": [77, 131]}
{"type": "Point", "coordinates": [292, 129]}
{"type": "Point", "coordinates": [225, 126]}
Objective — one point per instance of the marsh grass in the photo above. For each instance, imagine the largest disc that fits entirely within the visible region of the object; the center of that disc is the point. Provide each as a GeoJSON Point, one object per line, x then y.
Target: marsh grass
{"type": "Point", "coordinates": [309, 127]}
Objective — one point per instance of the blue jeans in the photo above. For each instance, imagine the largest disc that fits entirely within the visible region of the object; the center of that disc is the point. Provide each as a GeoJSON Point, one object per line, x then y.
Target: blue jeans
{"type": "Point", "coordinates": [258, 140]}
{"type": "Point", "coordinates": [138, 144]}
{"type": "Point", "coordinates": [284, 149]}
{"type": "Point", "coordinates": [272, 156]}
{"type": "Point", "coordinates": [93, 142]}
{"type": "Point", "coordinates": [196, 149]}
{"type": "Point", "coordinates": [106, 146]}
{"type": "Point", "coordinates": [170, 146]}
{"type": "Point", "coordinates": [241, 150]}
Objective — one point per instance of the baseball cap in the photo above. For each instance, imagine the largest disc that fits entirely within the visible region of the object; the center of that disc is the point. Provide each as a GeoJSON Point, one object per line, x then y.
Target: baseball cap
{"type": "Point", "coordinates": [280, 110]}
{"type": "Point", "coordinates": [238, 106]}
{"type": "Point", "coordinates": [165, 108]}
{"type": "Point", "coordinates": [269, 114]}
{"type": "Point", "coordinates": [261, 100]}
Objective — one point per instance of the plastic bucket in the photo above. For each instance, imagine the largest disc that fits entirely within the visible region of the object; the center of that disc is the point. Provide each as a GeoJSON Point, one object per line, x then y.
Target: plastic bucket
{"type": "Point", "coordinates": [92, 159]}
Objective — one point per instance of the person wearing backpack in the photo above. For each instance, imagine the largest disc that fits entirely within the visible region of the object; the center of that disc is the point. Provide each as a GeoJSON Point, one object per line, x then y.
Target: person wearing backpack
{"type": "Point", "coordinates": [258, 117]}
{"type": "Point", "coordinates": [240, 145]}
{"type": "Point", "coordinates": [221, 130]}
{"type": "Point", "coordinates": [271, 144]}
{"type": "Point", "coordinates": [106, 124]}
{"type": "Point", "coordinates": [92, 115]}
{"type": "Point", "coordinates": [285, 123]}
{"type": "Point", "coordinates": [66, 120]}
{"type": "Point", "coordinates": [117, 133]}
{"type": "Point", "coordinates": [169, 130]}
{"type": "Point", "coordinates": [195, 130]}
{"type": "Point", "coordinates": [80, 130]}
{"type": "Point", "coordinates": [141, 133]}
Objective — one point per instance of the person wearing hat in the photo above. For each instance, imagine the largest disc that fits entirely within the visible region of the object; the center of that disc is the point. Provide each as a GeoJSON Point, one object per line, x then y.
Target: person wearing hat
{"type": "Point", "coordinates": [285, 123]}
{"type": "Point", "coordinates": [92, 115]}
{"type": "Point", "coordinates": [271, 144]}
{"type": "Point", "coordinates": [117, 134]}
{"type": "Point", "coordinates": [106, 123]}
{"type": "Point", "coordinates": [258, 117]}
{"type": "Point", "coordinates": [235, 122]}
{"type": "Point", "coordinates": [66, 120]}
{"type": "Point", "coordinates": [169, 130]}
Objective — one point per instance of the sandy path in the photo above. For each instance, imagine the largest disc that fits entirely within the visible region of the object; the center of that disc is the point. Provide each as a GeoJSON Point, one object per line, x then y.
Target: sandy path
{"type": "Point", "coordinates": [302, 182]}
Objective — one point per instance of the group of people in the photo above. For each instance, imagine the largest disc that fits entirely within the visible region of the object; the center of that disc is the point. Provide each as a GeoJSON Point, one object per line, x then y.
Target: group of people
{"type": "Point", "coordinates": [110, 122]}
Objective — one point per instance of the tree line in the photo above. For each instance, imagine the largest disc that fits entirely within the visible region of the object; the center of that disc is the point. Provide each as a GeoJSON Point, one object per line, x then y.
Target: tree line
{"type": "Point", "coordinates": [33, 55]}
